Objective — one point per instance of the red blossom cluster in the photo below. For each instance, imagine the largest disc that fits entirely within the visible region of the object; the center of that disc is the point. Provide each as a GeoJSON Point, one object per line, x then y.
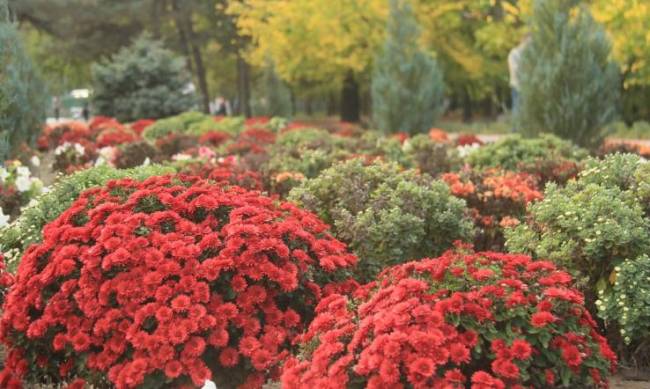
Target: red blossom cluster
{"type": "Point", "coordinates": [139, 126]}
{"type": "Point", "coordinates": [213, 138]}
{"type": "Point", "coordinates": [468, 140]}
{"type": "Point", "coordinates": [497, 199]}
{"type": "Point", "coordinates": [252, 140]}
{"type": "Point", "coordinates": [166, 282]}
{"type": "Point", "coordinates": [226, 171]}
{"type": "Point", "coordinates": [481, 320]}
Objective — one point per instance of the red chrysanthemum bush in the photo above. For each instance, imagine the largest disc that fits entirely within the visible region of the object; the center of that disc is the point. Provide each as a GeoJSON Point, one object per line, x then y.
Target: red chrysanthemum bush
{"type": "Point", "coordinates": [497, 199]}
{"type": "Point", "coordinates": [465, 319]}
{"type": "Point", "coordinates": [166, 283]}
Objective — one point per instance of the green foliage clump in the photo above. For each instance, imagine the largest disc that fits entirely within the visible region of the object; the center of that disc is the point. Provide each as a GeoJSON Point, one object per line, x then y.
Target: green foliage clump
{"type": "Point", "coordinates": [192, 123]}
{"type": "Point", "coordinates": [22, 93]}
{"type": "Point", "coordinates": [548, 157]}
{"type": "Point", "coordinates": [431, 157]}
{"type": "Point", "coordinates": [591, 226]}
{"type": "Point", "coordinates": [385, 214]}
{"type": "Point", "coordinates": [627, 302]}
{"type": "Point", "coordinates": [407, 85]}
{"type": "Point", "coordinates": [598, 228]}
{"type": "Point", "coordinates": [28, 227]}
{"type": "Point", "coordinates": [569, 84]}
{"type": "Point", "coordinates": [144, 80]}
{"type": "Point", "coordinates": [304, 153]}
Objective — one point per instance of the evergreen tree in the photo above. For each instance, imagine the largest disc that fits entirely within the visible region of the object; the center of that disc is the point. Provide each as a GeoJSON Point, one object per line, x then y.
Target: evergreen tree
{"type": "Point", "coordinates": [407, 85]}
{"type": "Point", "coordinates": [22, 93]}
{"type": "Point", "coordinates": [144, 80]}
{"type": "Point", "coordinates": [275, 95]}
{"type": "Point", "coordinates": [569, 84]}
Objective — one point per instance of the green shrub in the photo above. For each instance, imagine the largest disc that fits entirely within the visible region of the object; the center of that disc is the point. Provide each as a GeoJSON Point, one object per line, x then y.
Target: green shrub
{"type": "Point", "coordinates": [386, 215]}
{"type": "Point", "coordinates": [28, 227]}
{"type": "Point", "coordinates": [407, 84]}
{"type": "Point", "coordinates": [548, 157]}
{"type": "Point", "coordinates": [569, 83]}
{"type": "Point", "coordinates": [627, 302]}
{"type": "Point", "coordinates": [22, 93]}
{"type": "Point", "coordinates": [433, 158]}
{"type": "Point", "coordinates": [593, 227]}
{"type": "Point", "coordinates": [306, 152]}
{"type": "Point", "coordinates": [375, 144]}
{"type": "Point", "coordinates": [614, 170]}
{"type": "Point", "coordinates": [144, 80]}
{"type": "Point", "coordinates": [194, 124]}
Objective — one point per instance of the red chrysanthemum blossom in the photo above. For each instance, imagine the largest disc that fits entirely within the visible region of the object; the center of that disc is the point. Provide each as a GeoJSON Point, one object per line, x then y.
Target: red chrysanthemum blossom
{"type": "Point", "coordinates": [435, 323]}
{"type": "Point", "coordinates": [136, 281]}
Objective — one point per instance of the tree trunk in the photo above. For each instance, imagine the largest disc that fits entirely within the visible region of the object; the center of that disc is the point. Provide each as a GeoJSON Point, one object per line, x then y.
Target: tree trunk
{"type": "Point", "coordinates": [183, 20]}
{"type": "Point", "coordinates": [182, 35]}
{"type": "Point", "coordinates": [350, 101]}
{"type": "Point", "coordinates": [156, 16]}
{"type": "Point", "coordinates": [467, 106]}
{"type": "Point", "coordinates": [200, 69]}
{"type": "Point", "coordinates": [243, 86]}
{"type": "Point", "coordinates": [331, 104]}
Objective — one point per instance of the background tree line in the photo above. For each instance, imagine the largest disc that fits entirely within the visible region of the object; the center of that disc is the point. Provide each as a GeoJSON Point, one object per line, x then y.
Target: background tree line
{"type": "Point", "coordinates": [324, 50]}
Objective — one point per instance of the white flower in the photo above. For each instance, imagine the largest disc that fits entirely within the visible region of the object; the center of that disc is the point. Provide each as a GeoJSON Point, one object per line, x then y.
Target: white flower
{"type": "Point", "coordinates": [466, 150]}
{"type": "Point", "coordinates": [100, 161]}
{"type": "Point", "coordinates": [4, 219]}
{"type": "Point", "coordinates": [35, 160]}
{"type": "Point", "coordinates": [109, 153]}
{"type": "Point", "coordinates": [23, 171]}
{"type": "Point", "coordinates": [209, 385]}
{"type": "Point", "coordinates": [23, 183]}
{"type": "Point", "coordinates": [182, 157]}
{"type": "Point", "coordinates": [146, 162]}
{"type": "Point", "coordinates": [79, 149]}
{"type": "Point", "coordinates": [3, 174]}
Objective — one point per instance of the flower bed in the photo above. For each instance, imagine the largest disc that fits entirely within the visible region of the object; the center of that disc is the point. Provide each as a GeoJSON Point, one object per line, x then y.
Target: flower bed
{"type": "Point", "coordinates": [166, 283]}
{"type": "Point", "coordinates": [488, 320]}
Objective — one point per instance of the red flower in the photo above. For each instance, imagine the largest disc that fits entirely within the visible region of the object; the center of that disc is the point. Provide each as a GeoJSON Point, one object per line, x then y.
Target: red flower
{"type": "Point", "coordinates": [229, 357]}
{"type": "Point", "coordinates": [459, 353]}
{"type": "Point", "coordinates": [542, 318]}
{"type": "Point", "coordinates": [422, 366]}
{"type": "Point", "coordinates": [173, 369]}
{"type": "Point", "coordinates": [571, 356]}
{"type": "Point", "coordinates": [521, 349]}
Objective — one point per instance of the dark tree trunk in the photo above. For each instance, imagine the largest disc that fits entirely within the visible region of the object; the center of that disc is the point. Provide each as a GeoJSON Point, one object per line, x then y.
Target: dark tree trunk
{"type": "Point", "coordinates": [182, 35]}
{"type": "Point", "coordinates": [156, 16]}
{"type": "Point", "coordinates": [467, 106]}
{"type": "Point", "coordinates": [350, 100]}
{"type": "Point", "coordinates": [200, 69]}
{"type": "Point", "coordinates": [243, 86]}
{"type": "Point", "coordinates": [183, 19]}
{"type": "Point", "coordinates": [331, 105]}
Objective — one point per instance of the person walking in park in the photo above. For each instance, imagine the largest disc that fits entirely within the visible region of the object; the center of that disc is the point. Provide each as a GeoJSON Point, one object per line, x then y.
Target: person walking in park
{"type": "Point", "coordinates": [514, 59]}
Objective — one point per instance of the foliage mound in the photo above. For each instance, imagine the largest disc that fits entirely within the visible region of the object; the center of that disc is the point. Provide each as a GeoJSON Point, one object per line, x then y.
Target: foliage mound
{"type": "Point", "coordinates": [488, 320]}
{"type": "Point", "coordinates": [597, 226]}
{"type": "Point", "coordinates": [548, 157]}
{"type": "Point", "coordinates": [386, 215]}
{"type": "Point", "coordinates": [144, 80]}
{"type": "Point", "coordinates": [166, 283]}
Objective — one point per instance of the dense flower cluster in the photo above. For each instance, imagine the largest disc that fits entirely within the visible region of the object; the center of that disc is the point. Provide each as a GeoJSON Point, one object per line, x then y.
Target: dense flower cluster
{"type": "Point", "coordinates": [485, 320]}
{"type": "Point", "coordinates": [497, 199]}
{"type": "Point", "coordinates": [17, 188]}
{"type": "Point", "coordinates": [166, 282]}
{"type": "Point", "coordinates": [224, 171]}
